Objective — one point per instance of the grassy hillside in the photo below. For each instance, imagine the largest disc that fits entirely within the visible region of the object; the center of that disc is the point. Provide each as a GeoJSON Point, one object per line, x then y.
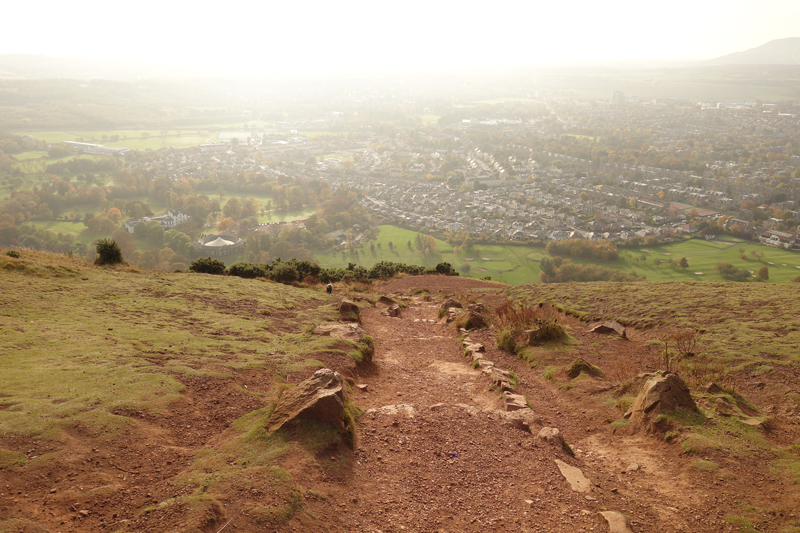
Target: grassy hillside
{"type": "Point", "coordinates": [160, 382]}
{"type": "Point", "coordinates": [747, 328]}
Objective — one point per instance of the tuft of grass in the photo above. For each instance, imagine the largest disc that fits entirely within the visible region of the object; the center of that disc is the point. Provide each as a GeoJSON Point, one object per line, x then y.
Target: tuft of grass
{"type": "Point", "coordinates": [11, 459]}
{"type": "Point", "coordinates": [624, 403]}
{"type": "Point", "coordinates": [550, 372]}
{"type": "Point", "coordinates": [705, 466]}
{"type": "Point", "coordinates": [579, 366]}
{"type": "Point", "coordinates": [618, 424]}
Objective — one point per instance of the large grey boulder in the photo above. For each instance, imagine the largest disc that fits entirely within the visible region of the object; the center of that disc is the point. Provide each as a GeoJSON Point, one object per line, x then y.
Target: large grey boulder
{"type": "Point", "coordinates": [663, 393]}
{"type": "Point", "coordinates": [320, 397]}
{"type": "Point", "coordinates": [350, 332]}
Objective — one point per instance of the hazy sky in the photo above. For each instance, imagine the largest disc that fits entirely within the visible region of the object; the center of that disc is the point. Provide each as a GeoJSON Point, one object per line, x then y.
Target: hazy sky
{"type": "Point", "coordinates": [272, 35]}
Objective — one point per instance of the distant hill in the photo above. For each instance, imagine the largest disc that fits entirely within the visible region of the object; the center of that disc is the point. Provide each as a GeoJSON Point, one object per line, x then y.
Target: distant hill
{"type": "Point", "coordinates": [777, 52]}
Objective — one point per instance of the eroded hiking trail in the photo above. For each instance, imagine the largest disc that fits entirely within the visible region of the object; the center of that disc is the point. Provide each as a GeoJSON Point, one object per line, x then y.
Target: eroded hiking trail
{"type": "Point", "coordinates": [434, 455]}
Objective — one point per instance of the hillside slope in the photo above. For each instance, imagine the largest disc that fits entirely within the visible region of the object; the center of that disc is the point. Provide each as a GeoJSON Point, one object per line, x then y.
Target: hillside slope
{"type": "Point", "coordinates": [133, 400]}
{"type": "Point", "coordinates": [777, 52]}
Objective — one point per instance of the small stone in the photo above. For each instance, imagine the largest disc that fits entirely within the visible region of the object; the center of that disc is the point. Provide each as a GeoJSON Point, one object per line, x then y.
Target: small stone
{"type": "Point", "coordinates": [633, 467]}
{"type": "Point", "coordinates": [514, 402]}
{"type": "Point", "coordinates": [529, 503]}
{"type": "Point", "coordinates": [616, 522]}
{"type": "Point", "coordinates": [53, 490]}
{"type": "Point", "coordinates": [551, 435]}
{"type": "Point", "coordinates": [754, 423]}
{"type": "Point", "coordinates": [590, 498]}
{"type": "Point", "coordinates": [84, 512]}
{"type": "Point", "coordinates": [577, 481]}
{"type": "Point", "coordinates": [362, 387]}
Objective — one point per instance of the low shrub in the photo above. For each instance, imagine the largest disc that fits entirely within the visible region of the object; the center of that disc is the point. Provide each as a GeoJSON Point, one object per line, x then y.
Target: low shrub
{"type": "Point", "coordinates": [13, 253]}
{"type": "Point", "coordinates": [108, 253]}
{"type": "Point", "coordinates": [247, 270]}
{"type": "Point", "coordinates": [207, 265]}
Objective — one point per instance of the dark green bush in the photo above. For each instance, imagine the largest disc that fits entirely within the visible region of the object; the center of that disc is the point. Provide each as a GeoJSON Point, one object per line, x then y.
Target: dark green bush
{"type": "Point", "coordinates": [285, 273]}
{"type": "Point", "coordinates": [247, 270]}
{"type": "Point", "coordinates": [207, 265]}
{"type": "Point", "coordinates": [108, 253]}
{"type": "Point", "coordinates": [13, 253]}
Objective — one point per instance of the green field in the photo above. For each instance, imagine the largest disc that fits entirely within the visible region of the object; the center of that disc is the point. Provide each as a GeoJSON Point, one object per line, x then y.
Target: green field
{"type": "Point", "coordinates": [517, 265]}
{"type": "Point", "coordinates": [509, 264]}
{"type": "Point", "coordinates": [429, 119]}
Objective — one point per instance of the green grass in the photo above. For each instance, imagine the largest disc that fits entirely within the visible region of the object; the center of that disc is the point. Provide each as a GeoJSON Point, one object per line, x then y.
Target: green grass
{"type": "Point", "coordinates": [429, 119]}
{"type": "Point", "coordinates": [86, 348]}
{"type": "Point", "coordinates": [744, 326]}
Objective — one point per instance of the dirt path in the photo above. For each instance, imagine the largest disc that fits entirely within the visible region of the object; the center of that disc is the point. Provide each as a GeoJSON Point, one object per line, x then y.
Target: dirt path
{"type": "Point", "coordinates": [431, 456]}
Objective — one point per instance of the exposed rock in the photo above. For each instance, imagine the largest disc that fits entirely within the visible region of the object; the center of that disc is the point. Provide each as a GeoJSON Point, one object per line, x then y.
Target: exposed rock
{"type": "Point", "coordinates": [502, 379]}
{"type": "Point", "coordinates": [552, 435]}
{"type": "Point", "coordinates": [484, 365]}
{"type": "Point", "coordinates": [514, 402]}
{"type": "Point", "coordinates": [713, 388]}
{"type": "Point", "coordinates": [450, 303]}
{"type": "Point", "coordinates": [474, 347]}
{"type": "Point", "coordinates": [579, 366]}
{"type": "Point", "coordinates": [392, 310]}
{"type": "Point", "coordinates": [401, 409]}
{"type": "Point", "coordinates": [477, 356]}
{"type": "Point", "coordinates": [754, 423]}
{"type": "Point", "coordinates": [662, 393]}
{"type": "Point", "coordinates": [362, 387]}
{"type": "Point", "coordinates": [469, 409]}
{"type": "Point", "coordinates": [385, 300]}
{"type": "Point", "coordinates": [320, 397]}
{"type": "Point", "coordinates": [475, 308]}
{"type": "Point", "coordinates": [349, 311]}
{"type": "Point", "coordinates": [633, 467]}
{"type": "Point", "coordinates": [532, 336]}
{"type": "Point", "coordinates": [452, 314]}
{"type": "Point", "coordinates": [522, 419]}
{"type": "Point", "coordinates": [723, 408]}
{"type": "Point", "coordinates": [471, 320]}
{"type": "Point", "coordinates": [577, 481]}
{"type": "Point", "coordinates": [611, 326]}
{"type": "Point", "coordinates": [350, 332]}
{"type": "Point", "coordinates": [616, 522]}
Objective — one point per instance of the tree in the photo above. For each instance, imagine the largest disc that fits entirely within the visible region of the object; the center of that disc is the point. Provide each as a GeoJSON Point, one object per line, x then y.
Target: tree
{"type": "Point", "coordinates": [425, 243]}
{"type": "Point", "coordinates": [108, 253]}
{"type": "Point", "coordinates": [226, 224]}
{"type": "Point", "coordinates": [763, 273]}
{"type": "Point", "coordinates": [684, 263]}
{"type": "Point", "coordinates": [465, 268]}
{"type": "Point", "coordinates": [468, 243]}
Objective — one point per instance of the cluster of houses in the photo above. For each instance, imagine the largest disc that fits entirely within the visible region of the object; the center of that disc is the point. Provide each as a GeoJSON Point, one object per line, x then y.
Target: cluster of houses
{"type": "Point", "coordinates": [170, 220]}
